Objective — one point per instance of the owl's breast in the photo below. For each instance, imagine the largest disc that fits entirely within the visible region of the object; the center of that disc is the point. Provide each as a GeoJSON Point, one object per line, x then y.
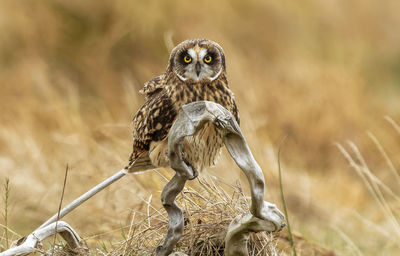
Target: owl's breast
{"type": "Point", "coordinates": [204, 148]}
{"type": "Point", "coordinates": [217, 92]}
{"type": "Point", "coordinates": [200, 150]}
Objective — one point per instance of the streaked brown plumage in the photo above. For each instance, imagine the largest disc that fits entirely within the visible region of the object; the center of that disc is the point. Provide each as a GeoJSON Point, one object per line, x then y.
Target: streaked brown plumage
{"type": "Point", "coordinates": [196, 71]}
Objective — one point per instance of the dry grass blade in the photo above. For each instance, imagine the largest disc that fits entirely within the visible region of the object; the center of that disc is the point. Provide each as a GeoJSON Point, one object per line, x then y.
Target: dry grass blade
{"type": "Point", "coordinates": [355, 250]}
{"type": "Point", "coordinates": [283, 199]}
{"type": "Point", "coordinates": [393, 123]}
{"type": "Point", "coordinates": [5, 213]}
{"type": "Point", "coordinates": [59, 208]}
{"type": "Point", "coordinates": [386, 157]}
{"type": "Point", "coordinates": [375, 183]}
{"type": "Point", "coordinates": [377, 188]}
{"type": "Point", "coordinates": [10, 230]}
{"type": "Point", "coordinates": [356, 167]}
{"type": "Point", "coordinates": [129, 233]}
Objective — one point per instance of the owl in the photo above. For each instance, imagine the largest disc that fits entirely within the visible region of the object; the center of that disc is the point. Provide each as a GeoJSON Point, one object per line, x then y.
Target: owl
{"type": "Point", "coordinates": [196, 71]}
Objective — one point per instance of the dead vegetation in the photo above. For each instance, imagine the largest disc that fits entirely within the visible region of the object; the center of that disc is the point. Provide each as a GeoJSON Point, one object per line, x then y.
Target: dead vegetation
{"type": "Point", "coordinates": [208, 210]}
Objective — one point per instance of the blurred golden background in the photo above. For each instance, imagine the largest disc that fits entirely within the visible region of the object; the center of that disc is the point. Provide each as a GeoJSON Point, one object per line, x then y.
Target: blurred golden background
{"type": "Point", "coordinates": [318, 72]}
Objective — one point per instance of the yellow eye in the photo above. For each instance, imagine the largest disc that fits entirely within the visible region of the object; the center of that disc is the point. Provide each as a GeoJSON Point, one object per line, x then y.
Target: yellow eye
{"type": "Point", "coordinates": [207, 59]}
{"type": "Point", "coordinates": [187, 59]}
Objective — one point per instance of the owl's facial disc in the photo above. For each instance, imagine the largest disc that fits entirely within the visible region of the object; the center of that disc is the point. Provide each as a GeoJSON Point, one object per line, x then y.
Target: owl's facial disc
{"type": "Point", "coordinates": [198, 63]}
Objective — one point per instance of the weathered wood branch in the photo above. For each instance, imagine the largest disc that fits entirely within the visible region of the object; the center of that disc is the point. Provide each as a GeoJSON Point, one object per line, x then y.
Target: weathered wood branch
{"type": "Point", "coordinates": [66, 231]}
{"type": "Point", "coordinates": [83, 198]}
{"type": "Point", "coordinates": [189, 121]}
{"type": "Point", "coordinates": [31, 243]}
{"type": "Point", "coordinates": [263, 216]}
{"type": "Point", "coordinates": [240, 228]}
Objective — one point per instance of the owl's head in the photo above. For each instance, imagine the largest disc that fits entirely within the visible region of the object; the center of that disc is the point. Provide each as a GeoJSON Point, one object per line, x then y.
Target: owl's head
{"type": "Point", "coordinates": [197, 60]}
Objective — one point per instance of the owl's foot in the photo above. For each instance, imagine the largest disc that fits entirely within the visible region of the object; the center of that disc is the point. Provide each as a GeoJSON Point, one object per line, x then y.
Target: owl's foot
{"type": "Point", "coordinates": [194, 173]}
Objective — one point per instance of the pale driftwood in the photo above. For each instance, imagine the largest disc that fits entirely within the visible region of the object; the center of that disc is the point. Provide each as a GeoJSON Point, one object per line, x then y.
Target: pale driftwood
{"type": "Point", "coordinates": [32, 241]}
{"type": "Point", "coordinates": [62, 227]}
{"type": "Point", "coordinates": [190, 120]}
{"type": "Point", "coordinates": [83, 198]}
{"type": "Point", "coordinates": [239, 229]}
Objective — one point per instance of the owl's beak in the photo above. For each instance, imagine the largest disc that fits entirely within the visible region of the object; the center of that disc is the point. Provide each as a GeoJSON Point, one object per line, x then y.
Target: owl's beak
{"type": "Point", "coordinates": [198, 68]}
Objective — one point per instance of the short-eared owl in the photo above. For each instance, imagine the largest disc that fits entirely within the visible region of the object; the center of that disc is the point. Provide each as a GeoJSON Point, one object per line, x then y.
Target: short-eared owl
{"type": "Point", "coordinates": [196, 71]}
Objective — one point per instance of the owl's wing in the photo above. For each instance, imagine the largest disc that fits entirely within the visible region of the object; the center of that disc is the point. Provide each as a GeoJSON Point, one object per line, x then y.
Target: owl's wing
{"type": "Point", "coordinates": [153, 86]}
{"type": "Point", "coordinates": [152, 123]}
{"type": "Point", "coordinates": [235, 111]}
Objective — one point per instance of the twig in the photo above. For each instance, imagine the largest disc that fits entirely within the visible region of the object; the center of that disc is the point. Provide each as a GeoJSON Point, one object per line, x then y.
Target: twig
{"type": "Point", "coordinates": [31, 241]}
{"type": "Point", "coordinates": [393, 123]}
{"type": "Point", "coordinates": [83, 198]}
{"type": "Point", "coordinates": [59, 208]}
{"type": "Point", "coordinates": [352, 245]}
{"type": "Point", "coordinates": [5, 214]}
{"type": "Point", "coordinates": [283, 198]}
{"type": "Point", "coordinates": [389, 162]}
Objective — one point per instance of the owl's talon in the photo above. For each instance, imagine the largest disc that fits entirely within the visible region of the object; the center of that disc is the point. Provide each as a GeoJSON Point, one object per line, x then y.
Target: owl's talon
{"type": "Point", "coordinates": [194, 173]}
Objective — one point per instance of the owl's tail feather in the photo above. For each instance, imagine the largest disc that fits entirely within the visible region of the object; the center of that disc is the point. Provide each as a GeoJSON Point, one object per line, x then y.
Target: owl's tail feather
{"type": "Point", "coordinates": [141, 164]}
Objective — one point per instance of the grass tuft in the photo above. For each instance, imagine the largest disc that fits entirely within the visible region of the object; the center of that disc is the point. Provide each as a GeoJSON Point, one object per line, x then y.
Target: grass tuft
{"type": "Point", "coordinates": [208, 210]}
